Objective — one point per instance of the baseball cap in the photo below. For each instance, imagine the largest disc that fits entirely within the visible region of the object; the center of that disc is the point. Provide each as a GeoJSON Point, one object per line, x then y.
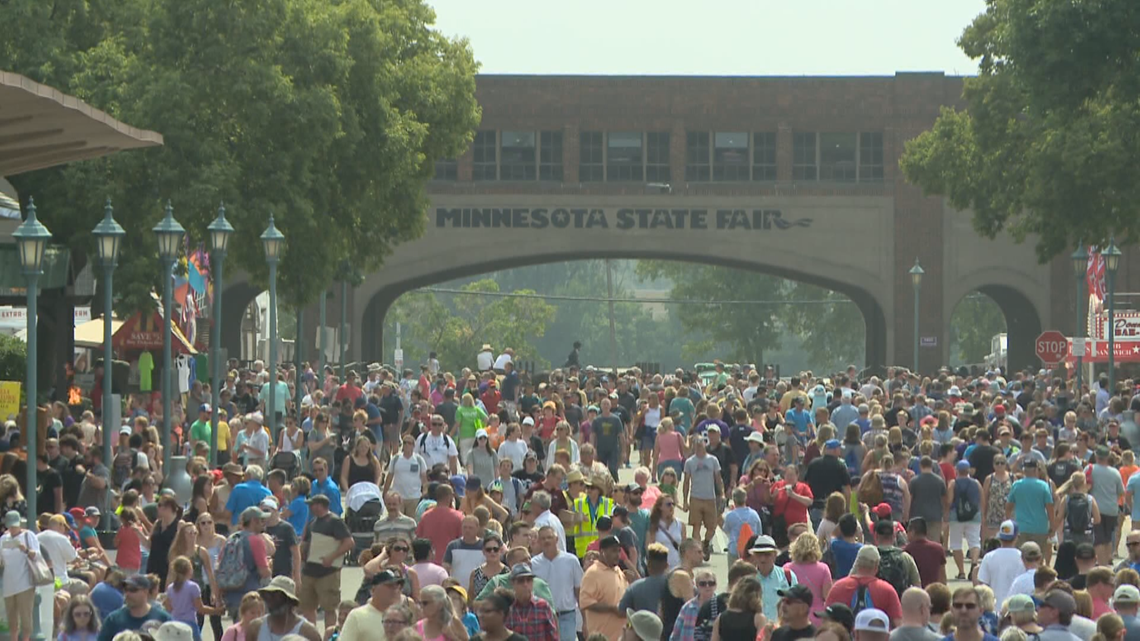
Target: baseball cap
{"type": "Point", "coordinates": [1126, 594]}
{"type": "Point", "coordinates": [528, 421]}
{"type": "Point", "coordinates": [1060, 600]}
{"type": "Point", "coordinates": [521, 571]}
{"type": "Point", "coordinates": [713, 428]}
{"type": "Point", "coordinates": [831, 444]}
{"type": "Point", "coordinates": [12, 519]}
{"type": "Point", "coordinates": [204, 407]}
{"type": "Point", "coordinates": [1029, 463]}
{"type": "Point", "coordinates": [126, 429]}
{"type": "Point", "coordinates": [1007, 531]}
{"type": "Point", "coordinates": [268, 503]}
{"type": "Point", "coordinates": [645, 624]}
{"type": "Point", "coordinates": [386, 576]}
{"type": "Point", "coordinates": [473, 483]}
{"type": "Point", "coordinates": [1030, 551]}
{"type": "Point", "coordinates": [872, 620]}
{"type": "Point", "coordinates": [1021, 603]}
{"type": "Point", "coordinates": [92, 512]}
{"type": "Point", "coordinates": [756, 437]}
{"type": "Point", "coordinates": [634, 488]}
{"type": "Point", "coordinates": [480, 433]}
{"type": "Point", "coordinates": [136, 582]}
{"type": "Point", "coordinates": [839, 613]}
{"type": "Point", "coordinates": [883, 510]}
{"type": "Point", "coordinates": [797, 592]}
{"type": "Point", "coordinates": [963, 466]}
{"type": "Point", "coordinates": [764, 543]}
{"type": "Point", "coordinates": [869, 554]}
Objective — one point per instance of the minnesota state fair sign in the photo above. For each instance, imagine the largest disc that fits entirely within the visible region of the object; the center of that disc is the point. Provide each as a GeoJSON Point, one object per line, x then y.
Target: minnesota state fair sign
{"type": "Point", "coordinates": [606, 218]}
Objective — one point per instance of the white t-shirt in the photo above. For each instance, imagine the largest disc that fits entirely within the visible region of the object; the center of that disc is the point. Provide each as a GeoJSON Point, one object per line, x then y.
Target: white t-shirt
{"type": "Point", "coordinates": [998, 570]}
{"type": "Point", "coordinates": [436, 449]}
{"type": "Point", "coordinates": [183, 364]}
{"type": "Point", "coordinates": [484, 361]}
{"type": "Point", "coordinates": [514, 450]}
{"type": "Point", "coordinates": [58, 549]}
{"type": "Point", "coordinates": [406, 471]}
{"type": "Point", "coordinates": [502, 360]}
{"type": "Point", "coordinates": [17, 573]}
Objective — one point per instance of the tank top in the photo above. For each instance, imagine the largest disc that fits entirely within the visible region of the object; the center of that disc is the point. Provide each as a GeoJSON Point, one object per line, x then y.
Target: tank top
{"type": "Point", "coordinates": [479, 579]}
{"type": "Point", "coordinates": [265, 634]}
{"type": "Point", "coordinates": [737, 625]}
{"type": "Point", "coordinates": [360, 473]}
{"type": "Point", "coordinates": [652, 419]}
{"type": "Point", "coordinates": [670, 447]}
{"type": "Point", "coordinates": [670, 610]}
{"type": "Point", "coordinates": [892, 492]}
{"type": "Point", "coordinates": [420, 629]}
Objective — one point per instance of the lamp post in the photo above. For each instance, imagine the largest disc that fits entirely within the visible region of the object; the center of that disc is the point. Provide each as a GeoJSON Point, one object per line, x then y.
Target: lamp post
{"type": "Point", "coordinates": [916, 273]}
{"type": "Point", "coordinates": [340, 344]}
{"type": "Point", "coordinates": [109, 236]}
{"type": "Point", "coordinates": [321, 339]}
{"type": "Point", "coordinates": [1111, 264]}
{"type": "Point", "coordinates": [31, 242]}
{"type": "Point", "coordinates": [274, 242]}
{"type": "Point", "coordinates": [169, 234]}
{"type": "Point", "coordinates": [220, 231]}
{"type": "Point", "coordinates": [1080, 260]}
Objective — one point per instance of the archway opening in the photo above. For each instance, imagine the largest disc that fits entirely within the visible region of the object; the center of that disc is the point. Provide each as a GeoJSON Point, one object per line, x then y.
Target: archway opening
{"type": "Point", "coordinates": [253, 343]}
{"type": "Point", "coordinates": [994, 326]}
{"type": "Point", "coordinates": [666, 314]}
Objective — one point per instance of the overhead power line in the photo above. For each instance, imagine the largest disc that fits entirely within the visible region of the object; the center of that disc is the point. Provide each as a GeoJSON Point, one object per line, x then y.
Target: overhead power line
{"type": "Point", "coordinates": [603, 299]}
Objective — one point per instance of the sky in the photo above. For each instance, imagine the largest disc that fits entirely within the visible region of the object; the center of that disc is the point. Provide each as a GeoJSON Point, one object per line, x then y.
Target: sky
{"type": "Point", "coordinates": [713, 37]}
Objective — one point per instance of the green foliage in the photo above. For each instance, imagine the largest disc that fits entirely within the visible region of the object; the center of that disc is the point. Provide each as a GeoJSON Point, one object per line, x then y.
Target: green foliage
{"type": "Point", "coordinates": [1048, 144]}
{"type": "Point", "coordinates": [13, 359]}
{"type": "Point", "coordinates": [975, 321]}
{"type": "Point", "coordinates": [329, 114]}
{"type": "Point", "coordinates": [832, 335]}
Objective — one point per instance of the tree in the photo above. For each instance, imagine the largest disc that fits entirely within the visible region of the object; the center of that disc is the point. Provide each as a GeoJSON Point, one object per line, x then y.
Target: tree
{"type": "Point", "coordinates": [832, 334]}
{"type": "Point", "coordinates": [975, 321]}
{"type": "Point", "coordinates": [327, 114]}
{"type": "Point", "coordinates": [13, 359]}
{"type": "Point", "coordinates": [1047, 144]}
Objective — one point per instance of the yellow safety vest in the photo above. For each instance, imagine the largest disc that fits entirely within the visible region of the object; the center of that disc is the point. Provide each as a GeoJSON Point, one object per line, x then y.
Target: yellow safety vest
{"type": "Point", "coordinates": [586, 532]}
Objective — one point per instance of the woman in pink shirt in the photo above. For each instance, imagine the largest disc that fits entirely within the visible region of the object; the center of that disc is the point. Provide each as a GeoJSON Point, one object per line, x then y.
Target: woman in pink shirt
{"type": "Point", "coordinates": [669, 449]}
{"type": "Point", "coordinates": [809, 570]}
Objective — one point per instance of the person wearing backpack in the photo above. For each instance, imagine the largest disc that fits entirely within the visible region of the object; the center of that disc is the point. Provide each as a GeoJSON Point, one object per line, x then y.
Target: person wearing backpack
{"type": "Point", "coordinates": [437, 448]}
{"type": "Point", "coordinates": [1078, 512]}
{"type": "Point", "coordinates": [895, 566]}
{"type": "Point", "coordinates": [863, 590]}
{"type": "Point", "coordinates": [243, 563]}
{"type": "Point", "coordinates": [127, 457]}
{"type": "Point", "coordinates": [965, 517]}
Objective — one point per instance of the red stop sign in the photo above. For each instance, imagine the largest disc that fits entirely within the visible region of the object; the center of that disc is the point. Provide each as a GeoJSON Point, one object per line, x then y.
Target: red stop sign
{"type": "Point", "coordinates": [1052, 347]}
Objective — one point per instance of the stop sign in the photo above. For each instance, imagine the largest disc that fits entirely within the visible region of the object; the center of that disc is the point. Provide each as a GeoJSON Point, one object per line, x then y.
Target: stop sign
{"type": "Point", "coordinates": [1052, 347]}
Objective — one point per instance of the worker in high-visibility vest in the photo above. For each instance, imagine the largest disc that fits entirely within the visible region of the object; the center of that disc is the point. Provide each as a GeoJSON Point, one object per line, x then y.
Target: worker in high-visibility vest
{"type": "Point", "coordinates": [589, 508]}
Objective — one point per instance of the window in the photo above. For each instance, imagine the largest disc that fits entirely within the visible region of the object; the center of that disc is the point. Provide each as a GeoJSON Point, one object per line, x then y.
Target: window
{"type": "Point", "coordinates": [591, 158]}
{"type": "Point", "coordinates": [764, 156]}
{"type": "Point", "coordinates": [485, 161]}
{"type": "Point", "coordinates": [550, 155]}
{"type": "Point", "coordinates": [446, 169]}
{"type": "Point", "coordinates": [730, 156]}
{"type": "Point", "coordinates": [657, 157]}
{"type": "Point", "coordinates": [518, 157]}
{"type": "Point", "coordinates": [624, 161]}
{"type": "Point", "coordinates": [697, 156]}
{"type": "Point", "coordinates": [871, 156]}
{"type": "Point", "coordinates": [837, 155]}
{"type": "Point", "coordinates": [803, 156]}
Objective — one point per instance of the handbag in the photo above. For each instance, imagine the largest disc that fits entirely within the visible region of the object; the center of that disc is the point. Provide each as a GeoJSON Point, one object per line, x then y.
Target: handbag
{"type": "Point", "coordinates": [41, 573]}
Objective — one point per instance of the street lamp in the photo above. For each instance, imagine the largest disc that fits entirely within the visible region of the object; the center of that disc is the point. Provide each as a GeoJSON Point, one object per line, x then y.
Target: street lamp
{"type": "Point", "coordinates": [169, 234]}
{"type": "Point", "coordinates": [916, 273]}
{"type": "Point", "coordinates": [1080, 259]}
{"type": "Point", "coordinates": [1111, 264]}
{"type": "Point", "coordinates": [31, 242]}
{"type": "Point", "coordinates": [220, 232]}
{"type": "Point", "coordinates": [274, 242]}
{"type": "Point", "coordinates": [340, 344]}
{"type": "Point", "coordinates": [108, 235]}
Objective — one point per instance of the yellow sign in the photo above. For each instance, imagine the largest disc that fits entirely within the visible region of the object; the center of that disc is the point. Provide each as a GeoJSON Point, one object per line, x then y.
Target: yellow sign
{"type": "Point", "coordinates": [9, 399]}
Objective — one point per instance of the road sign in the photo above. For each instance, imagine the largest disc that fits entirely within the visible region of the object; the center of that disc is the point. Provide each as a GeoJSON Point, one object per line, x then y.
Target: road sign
{"type": "Point", "coordinates": [1078, 347]}
{"type": "Point", "coordinates": [1052, 347]}
{"type": "Point", "coordinates": [399, 360]}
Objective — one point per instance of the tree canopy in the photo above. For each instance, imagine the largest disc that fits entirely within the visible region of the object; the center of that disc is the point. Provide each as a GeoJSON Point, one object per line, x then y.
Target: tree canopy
{"type": "Point", "coordinates": [328, 114]}
{"type": "Point", "coordinates": [1048, 144]}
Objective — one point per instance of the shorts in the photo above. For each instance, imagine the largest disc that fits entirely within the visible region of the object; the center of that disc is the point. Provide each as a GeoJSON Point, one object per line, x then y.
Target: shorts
{"type": "Point", "coordinates": [1040, 539]}
{"type": "Point", "coordinates": [647, 441]}
{"type": "Point", "coordinates": [321, 591]}
{"type": "Point", "coordinates": [971, 531]}
{"type": "Point", "coordinates": [1105, 531]}
{"type": "Point", "coordinates": [703, 511]}
{"type": "Point", "coordinates": [19, 607]}
{"type": "Point", "coordinates": [391, 433]}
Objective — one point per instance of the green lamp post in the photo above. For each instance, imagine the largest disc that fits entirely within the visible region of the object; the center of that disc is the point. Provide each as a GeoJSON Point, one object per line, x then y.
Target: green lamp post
{"type": "Point", "coordinates": [108, 236]}
{"type": "Point", "coordinates": [220, 231]}
{"type": "Point", "coordinates": [169, 233]}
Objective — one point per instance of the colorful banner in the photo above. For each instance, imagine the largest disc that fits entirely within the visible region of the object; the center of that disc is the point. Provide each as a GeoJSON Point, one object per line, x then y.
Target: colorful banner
{"type": "Point", "coordinates": [1127, 326]}
{"type": "Point", "coordinates": [9, 399]}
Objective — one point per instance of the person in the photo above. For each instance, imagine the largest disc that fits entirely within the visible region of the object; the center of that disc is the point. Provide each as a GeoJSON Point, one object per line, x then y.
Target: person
{"type": "Point", "coordinates": [442, 524]}
{"type": "Point", "coordinates": [563, 572]}
{"type": "Point", "coordinates": [1055, 613]}
{"type": "Point", "coordinates": [1001, 566]}
{"type": "Point", "coordinates": [744, 617]}
{"type": "Point", "coordinates": [795, 614]}
{"type": "Point", "coordinates": [809, 570]}
{"type": "Point", "coordinates": [1100, 586]}
{"type": "Point", "coordinates": [1030, 505]}
{"type": "Point", "coordinates": [965, 517]}
{"type": "Point", "coordinates": [896, 566]}
{"type": "Point", "coordinates": [967, 612]}
{"type": "Point", "coordinates": [396, 523]}
{"type": "Point", "coordinates": [368, 622]}
{"type": "Point", "coordinates": [18, 548]}
{"type": "Point", "coordinates": [286, 545]}
{"type": "Point", "coordinates": [184, 595]}
{"type": "Point", "coordinates": [1031, 560]}
{"type": "Point", "coordinates": [1110, 627]}
{"type": "Point", "coordinates": [529, 615]}
{"type": "Point", "coordinates": [256, 557]}
{"type": "Point", "coordinates": [407, 475]}
{"type": "Point", "coordinates": [1126, 602]}
{"type": "Point", "coordinates": [703, 493]}
{"type": "Point", "coordinates": [438, 621]}
{"type": "Point", "coordinates": [929, 497]}
{"type": "Point", "coordinates": [735, 520]}
{"type": "Point", "coordinates": [463, 556]}
{"type": "Point", "coordinates": [1107, 489]}
{"type": "Point", "coordinates": [929, 556]}
{"type": "Point", "coordinates": [361, 466]}
{"type": "Point", "coordinates": [878, 593]}
{"type": "Point", "coordinates": [250, 609]}
{"type": "Point", "coordinates": [327, 540]}
{"type": "Point", "coordinates": [643, 626]}
{"type": "Point", "coordinates": [55, 545]}
{"type": "Point", "coordinates": [607, 436]}
{"type": "Point", "coordinates": [603, 585]}
{"type": "Point", "coordinates": [281, 618]}
{"type": "Point", "coordinates": [248, 493]}
{"type": "Point", "coordinates": [107, 595]}
{"type": "Point", "coordinates": [762, 554]}
{"type": "Point", "coordinates": [995, 493]}
{"type": "Point", "coordinates": [791, 501]}
{"type": "Point", "coordinates": [685, 626]}
{"type": "Point", "coordinates": [136, 611]}
{"type": "Point", "coordinates": [493, 612]}
{"type": "Point", "coordinates": [825, 475]}
{"type": "Point", "coordinates": [1022, 613]}
{"type": "Point", "coordinates": [645, 593]}
{"type": "Point", "coordinates": [81, 621]}
{"type": "Point", "coordinates": [915, 605]}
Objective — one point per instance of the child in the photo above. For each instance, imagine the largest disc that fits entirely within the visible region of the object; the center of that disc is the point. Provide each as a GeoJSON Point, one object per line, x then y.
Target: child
{"type": "Point", "coordinates": [252, 607]}
{"type": "Point", "coordinates": [185, 596]}
{"type": "Point", "coordinates": [458, 597]}
{"type": "Point", "coordinates": [128, 543]}
{"type": "Point", "coordinates": [342, 611]}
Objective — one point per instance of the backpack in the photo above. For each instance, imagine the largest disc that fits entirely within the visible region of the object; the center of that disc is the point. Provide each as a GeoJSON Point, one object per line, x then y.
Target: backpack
{"type": "Point", "coordinates": [964, 509]}
{"type": "Point", "coordinates": [1079, 513]}
{"type": "Point", "coordinates": [122, 465]}
{"type": "Point", "coordinates": [871, 490]}
{"type": "Point", "coordinates": [447, 443]}
{"type": "Point", "coordinates": [851, 457]}
{"type": "Point", "coordinates": [861, 600]}
{"type": "Point", "coordinates": [892, 569]}
{"type": "Point", "coordinates": [233, 571]}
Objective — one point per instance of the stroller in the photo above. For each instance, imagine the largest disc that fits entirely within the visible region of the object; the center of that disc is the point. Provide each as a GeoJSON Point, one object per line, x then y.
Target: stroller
{"type": "Point", "coordinates": [287, 461]}
{"type": "Point", "coordinates": [365, 507]}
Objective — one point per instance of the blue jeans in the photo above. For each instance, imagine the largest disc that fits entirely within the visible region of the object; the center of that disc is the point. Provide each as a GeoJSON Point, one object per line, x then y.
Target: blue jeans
{"type": "Point", "coordinates": [568, 626]}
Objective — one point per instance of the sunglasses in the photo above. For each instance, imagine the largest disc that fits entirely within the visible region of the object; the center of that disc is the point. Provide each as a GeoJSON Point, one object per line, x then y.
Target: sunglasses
{"type": "Point", "coordinates": [437, 424]}
{"type": "Point", "coordinates": [706, 584]}
{"type": "Point", "coordinates": [400, 548]}
{"type": "Point", "coordinates": [81, 613]}
{"type": "Point", "coordinates": [965, 606]}
{"type": "Point", "coordinates": [492, 549]}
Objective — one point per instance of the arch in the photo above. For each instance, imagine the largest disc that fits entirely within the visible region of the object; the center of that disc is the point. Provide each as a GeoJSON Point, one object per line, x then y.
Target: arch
{"type": "Point", "coordinates": [384, 296]}
{"type": "Point", "coordinates": [1022, 323]}
{"type": "Point", "coordinates": [236, 297]}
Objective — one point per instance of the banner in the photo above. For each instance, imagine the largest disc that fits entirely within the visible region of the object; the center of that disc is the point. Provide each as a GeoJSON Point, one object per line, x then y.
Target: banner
{"type": "Point", "coordinates": [9, 400]}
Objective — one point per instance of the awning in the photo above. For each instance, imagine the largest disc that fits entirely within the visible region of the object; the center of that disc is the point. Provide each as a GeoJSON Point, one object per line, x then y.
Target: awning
{"type": "Point", "coordinates": [141, 333]}
{"type": "Point", "coordinates": [57, 262]}
{"type": "Point", "coordinates": [43, 127]}
{"type": "Point", "coordinates": [90, 334]}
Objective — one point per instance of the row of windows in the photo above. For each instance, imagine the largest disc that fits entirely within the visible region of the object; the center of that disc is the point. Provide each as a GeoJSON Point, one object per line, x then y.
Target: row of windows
{"type": "Point", "coordinates": [644, 156]}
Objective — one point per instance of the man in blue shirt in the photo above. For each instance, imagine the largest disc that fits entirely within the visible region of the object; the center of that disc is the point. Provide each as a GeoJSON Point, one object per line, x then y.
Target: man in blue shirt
{"type": "Point", "coordinates": [137, 609]}
{"type": "Point", "coordinates": [1030, 505]}
{"type": "Point", "coordinates": [247, 494]}
{"type": "Point", "coordinates": [326, 486]}
{"type": "Point", "coordinates": [107, 595]}
{"type": "Point", "coordinates": [800, 419]}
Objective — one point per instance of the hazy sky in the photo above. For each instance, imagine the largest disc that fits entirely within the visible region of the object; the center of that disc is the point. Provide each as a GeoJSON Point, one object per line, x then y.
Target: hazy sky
{"type": "Point", "coordinates": [713, 37]}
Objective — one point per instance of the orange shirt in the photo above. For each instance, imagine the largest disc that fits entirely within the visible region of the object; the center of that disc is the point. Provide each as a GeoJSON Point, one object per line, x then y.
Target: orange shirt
{"type": "Point", "coordinates": [1126, 472]}
{"type": "Point", "coordinates": [601, 584]}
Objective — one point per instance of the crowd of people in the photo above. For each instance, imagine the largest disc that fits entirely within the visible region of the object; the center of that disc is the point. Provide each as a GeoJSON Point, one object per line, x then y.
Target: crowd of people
{"type": "Point", "coordinates": [488, 505]}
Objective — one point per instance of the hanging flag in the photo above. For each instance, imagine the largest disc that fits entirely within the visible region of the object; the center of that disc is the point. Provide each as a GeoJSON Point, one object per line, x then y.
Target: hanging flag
{"type": "Point", "coordinates": [1094, 274]}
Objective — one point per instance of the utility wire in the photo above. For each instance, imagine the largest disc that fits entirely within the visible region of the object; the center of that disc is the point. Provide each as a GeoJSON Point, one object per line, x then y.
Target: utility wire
{"type": "Point", "coordinates": [602, 299]}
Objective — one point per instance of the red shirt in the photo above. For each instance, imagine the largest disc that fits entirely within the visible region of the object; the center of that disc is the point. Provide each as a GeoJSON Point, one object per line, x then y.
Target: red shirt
{"type": "Point", "coordinates": [883, 596]}
{"type": "Point", "coordinates": [440, 525]}
{"type": "Point", "coordinates": [948, 472]}
{"type": "Point", "coordinates": [793, 511]}
{"type": "Point", "coordinates": [128, 553]}
{"type": "Point", "coordinates": [350, 392]}
{"type": "Point", "coordinates": [491, 400]}
{"type": "Point", "coordinates": [929, 556]}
